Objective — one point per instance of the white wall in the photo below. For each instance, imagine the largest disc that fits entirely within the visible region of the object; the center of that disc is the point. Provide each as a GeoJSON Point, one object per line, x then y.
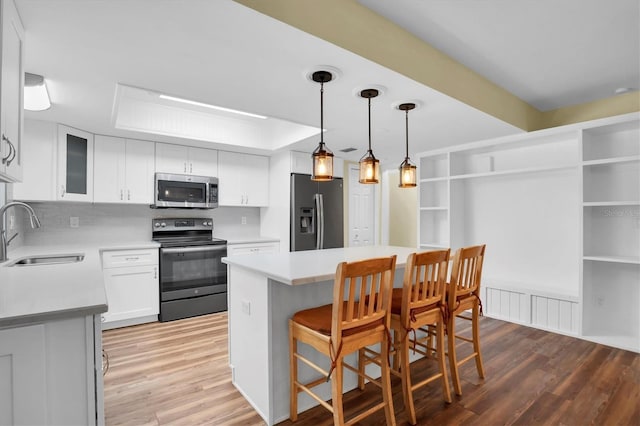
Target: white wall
{"type": "Point", "coordinates": [106, 223]}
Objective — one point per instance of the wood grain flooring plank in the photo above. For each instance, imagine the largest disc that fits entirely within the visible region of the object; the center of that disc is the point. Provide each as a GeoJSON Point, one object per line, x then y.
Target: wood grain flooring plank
{"type": "Point", "coordinates": [177, 373]}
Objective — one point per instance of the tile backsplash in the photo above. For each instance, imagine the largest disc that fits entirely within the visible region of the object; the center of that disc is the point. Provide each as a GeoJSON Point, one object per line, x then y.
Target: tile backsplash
{"type": "Point", "coordinates": [113, 223]}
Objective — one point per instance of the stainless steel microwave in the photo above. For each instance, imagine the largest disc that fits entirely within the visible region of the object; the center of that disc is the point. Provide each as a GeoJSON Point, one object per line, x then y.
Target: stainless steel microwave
{"type": "Point", "coordinates": [185, 191]}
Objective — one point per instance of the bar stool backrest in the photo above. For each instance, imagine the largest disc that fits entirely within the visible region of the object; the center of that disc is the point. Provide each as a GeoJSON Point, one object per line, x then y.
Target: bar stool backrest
{"type": "Point", "coordinates": [466, 274]}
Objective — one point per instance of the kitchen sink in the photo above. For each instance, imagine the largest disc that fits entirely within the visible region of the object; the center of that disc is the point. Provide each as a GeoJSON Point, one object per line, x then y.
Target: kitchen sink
{"type": "Point", "coordinates": [48, 260]}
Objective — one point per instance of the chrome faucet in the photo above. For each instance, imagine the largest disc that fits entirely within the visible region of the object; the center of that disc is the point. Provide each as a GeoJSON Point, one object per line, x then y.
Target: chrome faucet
{"type": "Point", "coordinates": [35, 223]}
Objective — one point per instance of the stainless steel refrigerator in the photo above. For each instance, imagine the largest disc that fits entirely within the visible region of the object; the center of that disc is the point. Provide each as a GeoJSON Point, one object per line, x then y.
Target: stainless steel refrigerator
{"type": "Point", "coordinates": [316, 213]}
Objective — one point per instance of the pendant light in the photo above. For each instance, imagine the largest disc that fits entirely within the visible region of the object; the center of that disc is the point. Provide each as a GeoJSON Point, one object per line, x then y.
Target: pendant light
{"type": "Point", "coordinates": [407, 170]}
{"type": "Point", "coordinates": [369, 165]}
{"type": "Point", "coordinates": [322, 156]}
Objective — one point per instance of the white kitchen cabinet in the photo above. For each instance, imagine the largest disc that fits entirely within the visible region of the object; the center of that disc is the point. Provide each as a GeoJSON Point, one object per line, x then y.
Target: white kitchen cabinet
{"type": "Point", "coordinates": [50, 373]}
{"type": "Point", "coordinates": [74, 165]}
{"type": "Point", "coordinates": [11, 93]}
{"type": "Point", "coordinates": [123, 170]}
{"type": "Point", "coordinates": [253, 248]}
{"type": "Point", "coordinates": [180, 159]}
{"type": "Point", "coordinates": [131, 283]}
{"type": "Point", "coordinates": [39, 169]}
{"type": "Point", "coordinates": [243, 179]}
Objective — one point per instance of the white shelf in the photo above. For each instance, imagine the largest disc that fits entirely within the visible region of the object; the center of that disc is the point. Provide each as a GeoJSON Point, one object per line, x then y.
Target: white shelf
{"type": "Point", "coordinates": [615, 259]}
{"type": "Point", "coordinates": [436, 179]}
{"type": "Point", "coordinates": [613, 160]}
{"type": "Point", "coordinates": [514, 171]}
{"type": "Point", "coordinates": [434, 208]}
{"type": "Point", "coordinates": [611, 203]}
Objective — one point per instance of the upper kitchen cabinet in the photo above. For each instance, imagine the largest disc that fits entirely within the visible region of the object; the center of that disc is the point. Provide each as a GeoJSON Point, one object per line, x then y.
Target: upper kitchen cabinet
{"type": "Point", "coordinates": [187, 160]}
{"type": "Point", "coordinates": [75, 165]}
{"type": "Point", "coordinates": [123, 170]}
{"type": "Point", "coordinates": [243, 180]}
{"type": "Point", "coordinates": [39, 170]}
{"type": "Point", "coordinates": [11, 93]}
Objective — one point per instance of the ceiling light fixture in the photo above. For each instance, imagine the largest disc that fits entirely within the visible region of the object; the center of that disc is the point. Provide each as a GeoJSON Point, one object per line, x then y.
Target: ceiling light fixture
{"type": "Point", "coordinates": [322, 156]}
{"type": "Point", "coordinates": [408, 175]}
{"type": "Point", "coordinates": [219, 108]}
{"type": "Point", "coordinates": [369, 165]}
{"type": "Point", "coordinates": [36, 96]}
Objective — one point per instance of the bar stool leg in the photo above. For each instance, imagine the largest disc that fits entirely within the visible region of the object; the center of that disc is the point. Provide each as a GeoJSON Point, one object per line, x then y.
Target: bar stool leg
{"type": "Point", "coordinates": [451, 340]}
{"type": "Point", "coordinates": [475, 324]}
{"type": "Point", "coordinates": [336, 393]}
{"type": "Point", "coordinates": [361, 368]}
{"type": "Point", "coordinates": [441, 361]}
{"type": "Point", "coordinates": [407, 393]}
{"type": "Point", "coordinates": [293, 375]}
{"type": "Point", "coordinates": [386, 386]}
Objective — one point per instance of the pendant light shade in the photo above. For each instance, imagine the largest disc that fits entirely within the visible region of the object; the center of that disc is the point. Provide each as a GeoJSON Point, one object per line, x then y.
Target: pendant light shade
{"type": "Point", "coordinates": [322, 156]}
{"type": "Point", "coordinates": [369, 164]}
{"type": "Point", "coordinates": [408, 172]}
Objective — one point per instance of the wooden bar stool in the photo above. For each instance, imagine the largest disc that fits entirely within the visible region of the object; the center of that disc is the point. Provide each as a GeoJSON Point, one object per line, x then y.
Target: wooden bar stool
{"type": "Point", "coordinates": [419, 305]}
{"type": "Point", "coordinates": [463, 293]}
{"type": "Point", "coordinates": [344, 327]}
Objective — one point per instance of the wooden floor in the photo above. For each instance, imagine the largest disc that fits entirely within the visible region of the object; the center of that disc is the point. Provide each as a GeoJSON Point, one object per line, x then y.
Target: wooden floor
{"type": "Point", "coordinates": [177, 373]}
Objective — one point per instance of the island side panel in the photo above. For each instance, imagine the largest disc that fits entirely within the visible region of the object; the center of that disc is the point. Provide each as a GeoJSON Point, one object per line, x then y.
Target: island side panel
{"type": "Point", "coordinates": [249, 336]}
{"type": "Point", "coordinates": [285, 300]}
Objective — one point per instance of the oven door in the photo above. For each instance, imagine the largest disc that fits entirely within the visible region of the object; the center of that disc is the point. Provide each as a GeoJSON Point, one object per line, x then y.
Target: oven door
{"type": "Point", "coordinates": [192, 271]}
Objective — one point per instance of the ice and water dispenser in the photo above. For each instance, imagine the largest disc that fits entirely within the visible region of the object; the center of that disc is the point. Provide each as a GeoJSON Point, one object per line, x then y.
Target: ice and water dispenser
{"type": "Point", "coordinates": [305, 220]}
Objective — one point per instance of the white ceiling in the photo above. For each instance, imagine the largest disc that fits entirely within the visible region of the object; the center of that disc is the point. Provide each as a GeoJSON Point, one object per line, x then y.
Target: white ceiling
{"type": "Point", "coordinates": [223, 53]}
{"type": "Point", "coordinates": [549, 53]}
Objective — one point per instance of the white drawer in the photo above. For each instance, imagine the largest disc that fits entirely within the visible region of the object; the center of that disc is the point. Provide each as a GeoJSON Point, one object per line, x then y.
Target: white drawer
{"type": "Point", "coordinates": [252, 248]}
{"type": "Point", "coordinates": [122, 258]}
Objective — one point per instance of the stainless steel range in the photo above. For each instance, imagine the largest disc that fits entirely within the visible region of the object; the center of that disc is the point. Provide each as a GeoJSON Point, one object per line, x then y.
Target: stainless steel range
{"type": "Point", "coordinates": [193, 279]}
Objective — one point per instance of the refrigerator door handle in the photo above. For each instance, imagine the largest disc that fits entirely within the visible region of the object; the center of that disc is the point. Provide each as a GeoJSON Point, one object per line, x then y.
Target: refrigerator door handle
{"type": "Point", "coordinates": [319, 204]}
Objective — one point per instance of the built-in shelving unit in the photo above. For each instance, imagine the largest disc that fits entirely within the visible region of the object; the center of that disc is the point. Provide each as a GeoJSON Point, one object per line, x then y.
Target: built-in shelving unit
{"type": "Point", "coordinates": [559, 210]}
{"type": "Point", "coordinates": [611, 234]}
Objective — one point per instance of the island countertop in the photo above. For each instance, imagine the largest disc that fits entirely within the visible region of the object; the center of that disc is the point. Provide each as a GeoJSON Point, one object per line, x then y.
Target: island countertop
{"type": "Point", "coordinates": [304, 267]}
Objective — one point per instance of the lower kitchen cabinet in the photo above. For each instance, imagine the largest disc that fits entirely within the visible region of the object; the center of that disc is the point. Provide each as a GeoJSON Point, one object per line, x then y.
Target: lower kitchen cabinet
{"type": "Point", "coordinates": [51, 373]}
{"type": "Point", "coordinates": [131, 283]}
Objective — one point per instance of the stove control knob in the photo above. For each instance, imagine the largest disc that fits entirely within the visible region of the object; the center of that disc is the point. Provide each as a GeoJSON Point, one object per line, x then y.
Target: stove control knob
{"type": "Point", "coordinates": [162, 225]}
{"type": "Point", "coordinates": [210, 223]}
{"type": "Point", "coordinates": [157, 225]}
{"type": "Point", "coordinates": [204, 223]}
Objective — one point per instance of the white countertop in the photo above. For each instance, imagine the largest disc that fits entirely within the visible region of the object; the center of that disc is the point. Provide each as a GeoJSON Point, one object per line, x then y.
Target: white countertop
{"type": "Point", "coordinates": [303, 267]}
{"type": "Point", "coordinates": [37, 293]}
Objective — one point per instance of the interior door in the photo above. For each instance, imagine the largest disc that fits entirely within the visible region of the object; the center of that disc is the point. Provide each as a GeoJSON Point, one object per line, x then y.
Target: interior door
{"type": "Point", "coordinates": [361, 211]}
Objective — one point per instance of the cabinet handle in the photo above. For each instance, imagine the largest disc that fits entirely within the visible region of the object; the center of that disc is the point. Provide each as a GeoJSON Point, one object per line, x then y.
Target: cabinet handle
{"type": "Point", "coordinates": [155, 272]}
{"type": "Point", "coordinates": [121, 195]}
{"type": "Point", "coordinates": [6, 139]}
{"type": "Point", "coordinates": [185, 167]}
{"type": "Point", "coordinates": [246, 199]}
{"type": "Point", "coordinates": [13, 153]}
{"type": "Point", "coordinates": [128, 259]}
{"type": "Point", "coordinates": [62, 191]}
{"type": "Point", "coordinates": [190, 167]}
{"type": "Point", "coordinates": [128, 194]}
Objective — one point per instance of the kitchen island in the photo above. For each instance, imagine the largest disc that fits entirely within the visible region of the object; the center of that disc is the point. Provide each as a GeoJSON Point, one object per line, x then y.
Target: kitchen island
{"type": "Point", "coordinates": [264, 291]}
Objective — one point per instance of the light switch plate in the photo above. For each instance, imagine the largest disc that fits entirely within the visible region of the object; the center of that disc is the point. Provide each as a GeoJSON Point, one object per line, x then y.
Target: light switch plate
{"type": "Point", "coordinates": [74, 222]}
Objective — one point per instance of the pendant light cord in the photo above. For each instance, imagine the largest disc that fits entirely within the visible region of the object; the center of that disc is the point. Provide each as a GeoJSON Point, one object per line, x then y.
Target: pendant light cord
{"type": "Point", "coordinates": [369, 124]}
{"type": "Point", "coordinates": [321, 112]}
{"type": "Point", "coordinates": [407, 134]}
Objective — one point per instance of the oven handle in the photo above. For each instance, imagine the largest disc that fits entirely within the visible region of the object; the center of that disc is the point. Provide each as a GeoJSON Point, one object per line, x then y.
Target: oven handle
{"type": "Point", "coordinates": [192, 249]}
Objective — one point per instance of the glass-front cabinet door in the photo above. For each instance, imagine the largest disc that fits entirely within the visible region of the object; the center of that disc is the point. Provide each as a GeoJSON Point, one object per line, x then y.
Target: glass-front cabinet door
{"type": "Point", "coordinates": [75, 165]}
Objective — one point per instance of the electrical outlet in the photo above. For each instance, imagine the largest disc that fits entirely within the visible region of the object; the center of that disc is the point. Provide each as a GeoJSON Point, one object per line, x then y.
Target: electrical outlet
{"type": "Point", "coordinates": [600, 301]}
{"type": "Point", "coordinates": [246, 307]}
{"type": "Point", "coordinates": [244, 220]}
{"type": "Point", "coordinates": [74, 222]}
